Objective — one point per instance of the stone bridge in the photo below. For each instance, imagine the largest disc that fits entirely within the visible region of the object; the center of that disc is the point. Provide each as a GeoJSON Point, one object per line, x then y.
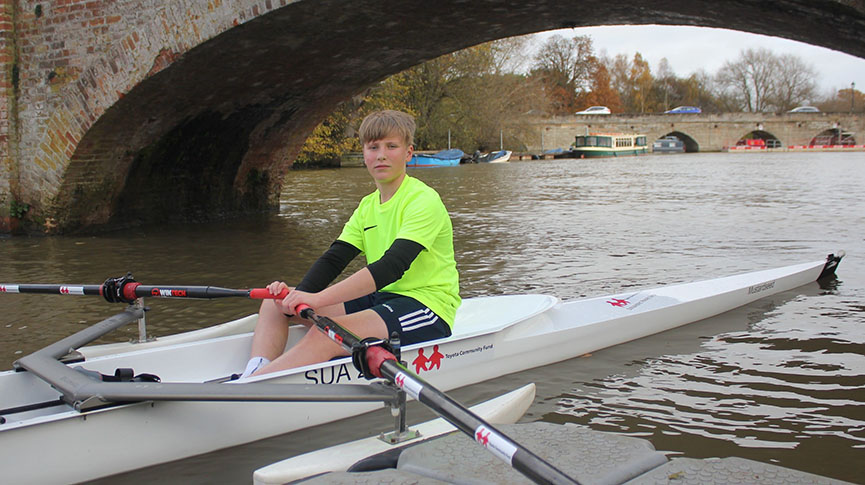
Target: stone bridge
{"type": "Point", "coordinates": [119, 111]}
{"type": "Point", "coordinates": [701, 132]}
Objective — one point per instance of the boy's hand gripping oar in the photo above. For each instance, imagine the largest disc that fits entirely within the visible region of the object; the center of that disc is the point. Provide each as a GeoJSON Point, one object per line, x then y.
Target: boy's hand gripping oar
{"type": "Point", "coordinates": [374, 360]}
{"type": "Point", "coordinates": [126, 290]}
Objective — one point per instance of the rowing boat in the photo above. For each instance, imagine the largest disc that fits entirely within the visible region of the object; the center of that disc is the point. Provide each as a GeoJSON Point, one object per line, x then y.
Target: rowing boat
{"type": "Point", "coordinates": [493, 336]}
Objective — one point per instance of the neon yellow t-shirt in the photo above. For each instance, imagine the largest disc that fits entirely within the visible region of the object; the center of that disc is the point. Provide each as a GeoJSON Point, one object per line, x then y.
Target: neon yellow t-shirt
{"type": "Point", "coordinates": [415, 212]}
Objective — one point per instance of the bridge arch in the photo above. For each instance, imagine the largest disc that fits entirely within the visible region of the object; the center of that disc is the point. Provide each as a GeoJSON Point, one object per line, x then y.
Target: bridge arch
{"type": "Point", "coordinates": [766, 138]}
{"type": "Point", "coordinates": [691, 145]}
{"type": "Point", "coordinates": [195, 109]}
{"type": "Point", "coordinates": [834, 136]}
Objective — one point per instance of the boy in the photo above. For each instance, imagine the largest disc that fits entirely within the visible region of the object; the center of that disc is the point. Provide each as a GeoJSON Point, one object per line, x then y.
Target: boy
{"type": "Point", "coordinates": [410, 284]}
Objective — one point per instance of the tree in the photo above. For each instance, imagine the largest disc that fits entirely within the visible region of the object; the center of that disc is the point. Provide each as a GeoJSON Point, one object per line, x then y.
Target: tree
{"type": "Point", "coordinates": [664, 84]}
{"type": "Point", "coordinates": [469, 97]}
{"type": "Point", "coordinates": [694, 90]}
{"type": "Point", "coordinates": [620, 79]}
{"type": "Point", "coordinates": [328, 142]}
{"type": "Point", "coordinates": [601, 90]}
{"type": "Point", "coordinates": [793, 83]}
{"type": "Point", "coordinates": [564, 66]}
{"type": "Point", "coordinates": [749, 79]}
{"type": "Point", "coordinates": [641, 84]}
{"type": "Point", "coordinates": [841, 102]}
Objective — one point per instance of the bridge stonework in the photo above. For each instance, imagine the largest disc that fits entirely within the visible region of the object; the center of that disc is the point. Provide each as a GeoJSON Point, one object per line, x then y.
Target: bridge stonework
{"type": "Point", "coordinates": [703, 132]}
{"type": "Point", "coordinates": [119, 111]}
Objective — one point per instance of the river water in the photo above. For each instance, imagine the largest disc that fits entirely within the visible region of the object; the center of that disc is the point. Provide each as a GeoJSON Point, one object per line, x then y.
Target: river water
{"type": "Point", "coordinates": [780, 381]}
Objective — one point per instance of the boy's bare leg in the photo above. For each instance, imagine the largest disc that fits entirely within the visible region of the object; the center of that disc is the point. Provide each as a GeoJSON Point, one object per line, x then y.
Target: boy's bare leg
{"type": "Point", "coordinates": [316, 347]}
{"type": "Point", "coordinates": [271, 331]}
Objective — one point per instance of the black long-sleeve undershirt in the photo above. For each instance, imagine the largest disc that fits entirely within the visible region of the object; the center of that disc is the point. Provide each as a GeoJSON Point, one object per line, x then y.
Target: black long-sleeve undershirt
{"type": "Point", "coordinates": [392, 265]}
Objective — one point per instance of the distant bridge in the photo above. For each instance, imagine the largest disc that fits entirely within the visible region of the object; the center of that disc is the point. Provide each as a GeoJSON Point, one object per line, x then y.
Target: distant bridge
{"type": "Point", "coordinates": [121, 111]}
{"type": "Point", "coordinates": [701, 132]}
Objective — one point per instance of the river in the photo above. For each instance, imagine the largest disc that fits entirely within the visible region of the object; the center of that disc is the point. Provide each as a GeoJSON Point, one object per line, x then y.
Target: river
{"type": "Point", "coordinates": [780, 381]}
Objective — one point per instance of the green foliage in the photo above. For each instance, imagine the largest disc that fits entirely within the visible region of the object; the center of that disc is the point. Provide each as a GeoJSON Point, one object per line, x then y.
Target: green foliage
{"type": "Point", "coordinates": [18, 209]}
{"type": "Point", "coordinates": [469, 95]}
{"type": "Point", "coordinates": [328, 141]}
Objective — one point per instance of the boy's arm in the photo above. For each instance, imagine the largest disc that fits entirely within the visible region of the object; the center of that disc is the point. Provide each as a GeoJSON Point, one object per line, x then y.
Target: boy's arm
{"type": "Point", "coordinates": [328, 266]}
{"type": "Point", "coordinates": [392, 265]}
{"type": "Point", "coordinates": [394, 262]}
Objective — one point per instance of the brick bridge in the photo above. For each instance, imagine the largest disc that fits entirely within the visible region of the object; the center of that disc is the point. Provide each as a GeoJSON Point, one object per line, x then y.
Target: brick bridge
{"type": "Point", "coordinates": [702, 132]}
{"type": "Point", "coordinates": [120, 111]}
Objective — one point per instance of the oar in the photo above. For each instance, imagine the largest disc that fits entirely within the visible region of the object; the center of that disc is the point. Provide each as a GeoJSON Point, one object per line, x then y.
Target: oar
{"type": "Point", "coordinates": [125, 289]}
{"type": "Point", "coordinates": [382, 363]}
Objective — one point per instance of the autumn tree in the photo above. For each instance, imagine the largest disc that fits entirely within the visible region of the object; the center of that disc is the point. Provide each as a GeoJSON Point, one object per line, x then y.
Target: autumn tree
{"type": "Point", "coordinates": [848, 100]}
{"type": "Point", "coordinates": [564, 66]}
{"type": "Point", "coordinates": [601, 92]}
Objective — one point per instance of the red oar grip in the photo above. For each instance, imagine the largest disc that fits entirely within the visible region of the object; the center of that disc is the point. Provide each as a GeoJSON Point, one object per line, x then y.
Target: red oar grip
{"type": "Point", "coordinates": [300, 310]}
{"type": "Point", "coordinates": [264, 294]}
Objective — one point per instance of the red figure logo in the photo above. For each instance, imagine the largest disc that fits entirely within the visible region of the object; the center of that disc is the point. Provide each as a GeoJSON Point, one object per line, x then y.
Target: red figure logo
{"type": "Point", "coordinates": [400, 380]}
{"type": "Point", "coordinates": [420, 362]}
{"type": "Point", "coordinates": [482, 438]}
{"type": "Point", "coordinates": [617, 302]}
{"type": "Point", "coordinates": [435, 360]}
{"type": "Point", "coordinates": [64, 290]}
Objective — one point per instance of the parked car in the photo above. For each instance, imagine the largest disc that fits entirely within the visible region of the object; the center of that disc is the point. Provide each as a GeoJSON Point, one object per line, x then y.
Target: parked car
{"type": "Point", "coordinates": [594, 110]}
{"type": "Point", "coordinates": [804, 109]}
{"type": "Point", "coordinates": [685, 109]}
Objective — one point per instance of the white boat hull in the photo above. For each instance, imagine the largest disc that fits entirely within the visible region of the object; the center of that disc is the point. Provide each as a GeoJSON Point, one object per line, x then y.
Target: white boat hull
{"type": "Point", "coordinates": [494, 336]}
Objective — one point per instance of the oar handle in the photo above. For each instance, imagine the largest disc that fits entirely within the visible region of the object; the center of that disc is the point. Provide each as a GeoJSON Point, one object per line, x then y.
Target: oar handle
{"type": "Point", "coordinates": [265, 294]}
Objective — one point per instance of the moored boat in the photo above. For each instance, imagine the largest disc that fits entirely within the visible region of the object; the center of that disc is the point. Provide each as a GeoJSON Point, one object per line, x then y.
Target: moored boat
{"type": "Point", "coordinates": [609, 145]}
{"type": "Point", "coordinates": [668, 144]}
{"type": "Point", "coordinates": [493, 336]}
{"type": "Point", "coordinates": [444, 158]}
{"type": "Point", "coordinates": [500, 156]}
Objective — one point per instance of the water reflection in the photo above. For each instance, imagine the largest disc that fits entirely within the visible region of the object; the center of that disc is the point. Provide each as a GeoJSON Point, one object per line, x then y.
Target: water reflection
{"type": "Point", "coordinates": [779, 385]}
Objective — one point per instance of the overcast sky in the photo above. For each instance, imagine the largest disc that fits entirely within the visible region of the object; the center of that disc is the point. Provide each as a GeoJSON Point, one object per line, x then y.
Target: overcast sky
{"type": "Point", "coordinates": [689, 49]}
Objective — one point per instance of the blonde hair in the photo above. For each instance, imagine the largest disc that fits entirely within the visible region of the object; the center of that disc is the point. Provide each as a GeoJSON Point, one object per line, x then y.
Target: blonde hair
{"type": "Point", "coordinates": [380, 124]}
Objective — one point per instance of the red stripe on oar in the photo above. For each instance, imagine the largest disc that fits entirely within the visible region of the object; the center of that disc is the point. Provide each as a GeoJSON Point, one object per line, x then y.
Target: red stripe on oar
{"type": "Point", "coordinates": [265, 294]}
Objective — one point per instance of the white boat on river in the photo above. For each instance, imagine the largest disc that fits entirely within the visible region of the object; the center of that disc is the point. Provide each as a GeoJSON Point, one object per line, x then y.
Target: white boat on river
{"type": "Point", "coordinates": [74, 430]}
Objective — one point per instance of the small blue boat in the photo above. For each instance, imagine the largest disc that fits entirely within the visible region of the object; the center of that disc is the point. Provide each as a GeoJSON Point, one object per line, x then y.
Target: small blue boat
{"type": "Point", "coordinates": [444, 158]}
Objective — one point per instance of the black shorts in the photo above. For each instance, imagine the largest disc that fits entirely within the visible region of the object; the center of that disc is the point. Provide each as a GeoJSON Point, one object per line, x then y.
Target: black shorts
{"type": "Point", "coordinates": [411, 319]}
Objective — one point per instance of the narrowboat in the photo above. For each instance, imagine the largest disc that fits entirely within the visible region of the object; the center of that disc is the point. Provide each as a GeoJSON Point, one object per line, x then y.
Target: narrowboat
{"type": "Point", "coordinates": [609, 145]}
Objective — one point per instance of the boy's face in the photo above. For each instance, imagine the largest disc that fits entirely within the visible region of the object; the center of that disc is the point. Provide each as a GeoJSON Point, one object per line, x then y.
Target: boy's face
{"type": "Point", "coordinates": [385, 159]}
